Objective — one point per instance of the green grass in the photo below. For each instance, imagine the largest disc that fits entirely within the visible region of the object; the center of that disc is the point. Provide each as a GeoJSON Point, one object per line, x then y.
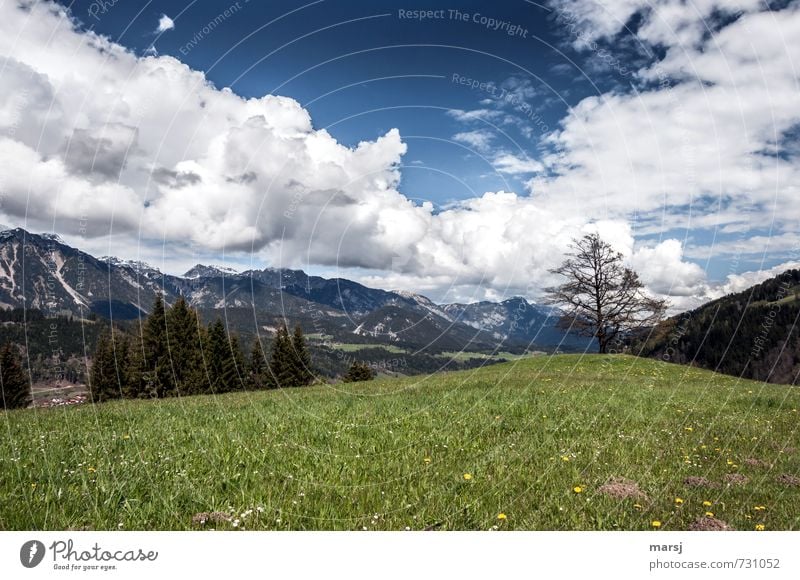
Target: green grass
{"type": "Point", "coordinates": [353, 456]}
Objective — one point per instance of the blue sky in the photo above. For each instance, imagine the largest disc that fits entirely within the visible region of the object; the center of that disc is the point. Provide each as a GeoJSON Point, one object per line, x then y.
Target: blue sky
{"type": "Point", "coordinates": [385, 71]}
{"type": "Point", "coordinates": [413, 146]}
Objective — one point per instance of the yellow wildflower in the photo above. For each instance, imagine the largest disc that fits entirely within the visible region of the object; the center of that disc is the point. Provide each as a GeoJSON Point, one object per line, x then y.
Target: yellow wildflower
{"type": "Point", "coordinates": [502, 516]}
{"type": "Point", "coordinates": [707, 503]}
{"type": "Point", "coordinates": [709, 514]}
{"type": "Point", "coordinates": [760, 527]}
{"type": "Point", "coordinates": [678, 501]}
{"type": "Point", "coordinates": [427, 460]}
{"type": "Point", "coordinates": [577, 489]}
{"type": "Point", "coordinates": [655, 524]}
{"type": "Point", "coordinates": [467, 476]}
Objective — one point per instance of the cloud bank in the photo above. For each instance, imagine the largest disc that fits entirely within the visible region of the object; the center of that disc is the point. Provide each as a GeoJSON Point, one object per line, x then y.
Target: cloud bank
{"type": "Point", "coordinates": [97, 139]}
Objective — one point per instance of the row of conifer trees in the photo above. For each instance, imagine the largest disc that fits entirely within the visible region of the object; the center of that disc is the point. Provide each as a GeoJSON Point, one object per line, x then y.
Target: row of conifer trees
{"type": "Point", "coordinates": [173, 354]}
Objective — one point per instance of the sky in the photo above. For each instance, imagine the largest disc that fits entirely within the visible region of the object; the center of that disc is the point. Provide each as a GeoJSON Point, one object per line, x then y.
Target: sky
{"type": "Point", "coordinates": [451, 152]}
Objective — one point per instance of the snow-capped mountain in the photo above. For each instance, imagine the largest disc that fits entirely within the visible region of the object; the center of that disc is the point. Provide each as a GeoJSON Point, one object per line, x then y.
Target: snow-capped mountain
{"type": "Point", "coordinates": [42, 272]}
{"type": "Point", "coordinates": [515, 319]}
{"type": "Point", "coordinates": [203, 271]}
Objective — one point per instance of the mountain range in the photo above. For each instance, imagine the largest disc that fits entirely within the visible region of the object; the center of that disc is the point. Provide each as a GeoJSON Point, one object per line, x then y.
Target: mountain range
{"type": "Point", "coordinates": [754, 333]}
{"type": "Point", "coordinates": [41, 272]}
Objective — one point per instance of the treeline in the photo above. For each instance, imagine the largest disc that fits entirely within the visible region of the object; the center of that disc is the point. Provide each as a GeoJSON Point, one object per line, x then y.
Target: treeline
{"type": "Point", "coordinates": [21, 315]}
{"type": "Point", "coordinates": [55, 348]}
{"type": "Point", "coordinates": [173, 354]}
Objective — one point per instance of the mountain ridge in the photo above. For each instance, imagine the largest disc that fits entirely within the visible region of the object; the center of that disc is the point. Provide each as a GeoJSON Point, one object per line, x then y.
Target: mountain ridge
{"type": "Point", "coordinates": [43, 272]}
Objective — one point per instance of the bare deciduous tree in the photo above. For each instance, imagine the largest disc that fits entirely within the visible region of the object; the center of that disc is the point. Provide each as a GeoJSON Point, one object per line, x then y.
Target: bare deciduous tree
{"type": "Point", "coordinates": [601, 297]}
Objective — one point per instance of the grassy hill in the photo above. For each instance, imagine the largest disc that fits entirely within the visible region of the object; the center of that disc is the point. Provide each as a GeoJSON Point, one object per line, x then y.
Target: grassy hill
{"type": "Point", "coordinates": [562, 442]}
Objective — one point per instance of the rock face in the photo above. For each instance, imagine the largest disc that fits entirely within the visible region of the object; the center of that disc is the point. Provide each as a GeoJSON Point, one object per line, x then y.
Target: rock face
{"type": "Point", "coordinates": [516, 319]}
{"type": "Point", "coordinates": [40, 271]}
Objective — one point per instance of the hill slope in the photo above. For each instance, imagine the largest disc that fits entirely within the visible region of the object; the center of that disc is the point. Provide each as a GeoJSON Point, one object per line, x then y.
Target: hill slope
{"type": "Point", "coordinates": [448, 451]}
{"type": "Point", "coordinates": [753, 334]}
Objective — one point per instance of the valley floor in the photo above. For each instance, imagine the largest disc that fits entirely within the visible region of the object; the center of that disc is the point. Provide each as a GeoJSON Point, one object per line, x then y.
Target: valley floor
{"type": "Point", "coordinates": [545, 443]}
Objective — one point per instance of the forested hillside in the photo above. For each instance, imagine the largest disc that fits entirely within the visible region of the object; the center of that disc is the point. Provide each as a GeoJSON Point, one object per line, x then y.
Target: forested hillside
{"type": "Point", "coordinates": [754, 334]}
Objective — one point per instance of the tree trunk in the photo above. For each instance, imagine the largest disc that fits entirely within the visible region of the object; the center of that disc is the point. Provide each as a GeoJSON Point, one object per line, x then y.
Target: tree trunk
{"type": "Point", "coordinates": [603, 343]}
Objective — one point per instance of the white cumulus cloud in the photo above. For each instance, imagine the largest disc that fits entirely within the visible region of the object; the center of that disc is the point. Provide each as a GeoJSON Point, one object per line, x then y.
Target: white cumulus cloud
{"type": "Point", "coordinates": [165, 23]}
{"type": "Point", "coordinates": [93, 136]}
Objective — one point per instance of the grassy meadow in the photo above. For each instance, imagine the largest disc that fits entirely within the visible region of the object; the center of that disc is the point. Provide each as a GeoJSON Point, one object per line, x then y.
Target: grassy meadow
{"type": "Point", "coordinates": [543, 443]}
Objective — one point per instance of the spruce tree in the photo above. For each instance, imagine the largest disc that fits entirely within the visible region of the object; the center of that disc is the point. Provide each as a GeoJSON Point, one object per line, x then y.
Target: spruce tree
{"type": "Point", "coordinates": [185, 354]}
{"type": "Point", "coordinates": [103, 379]}
{"type": "Point", "coordinates": [257, 373]}
{"type": "Point", "coordinates": [123, 362]}
{"type": "Point", "coordinates": [233, 366]}
{"type": "Point", "coordinates": [156, 353]}
{"type": "Point", "coordinates": [359, 371]}
{"type": "Point", "coordinates": [217, 353]}
{"type": "Point", "coordinates": [135, 386]}
{"type": "Point", "coordinates": [14, 385]}
{"type": "Point", "coordinates": [301, 359]}
{"type": "Point", "coordinates": [281, 366]}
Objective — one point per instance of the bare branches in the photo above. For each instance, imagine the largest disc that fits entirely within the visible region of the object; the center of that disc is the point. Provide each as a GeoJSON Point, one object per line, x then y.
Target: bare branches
{"type": "Point", "coordinates": [601, 298]}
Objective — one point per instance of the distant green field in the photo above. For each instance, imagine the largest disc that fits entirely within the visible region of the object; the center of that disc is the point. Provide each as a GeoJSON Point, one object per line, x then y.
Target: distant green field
{"type": "Point", "coordinates": [534, 440]}
{"type": "Point", "coordinates": [354, 347]}
{"type": "Point", "coordinates": [465, 355]}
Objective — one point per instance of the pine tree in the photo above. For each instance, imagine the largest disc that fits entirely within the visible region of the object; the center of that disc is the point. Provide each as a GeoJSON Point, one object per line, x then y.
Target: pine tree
{"type": "Point", "coordinates": [185, 354]}
{"type": "Point", "coordinates": [301, 359]}
{"type": "Point", "coordinates": [103, 378]}
{"type": "Point", "coordinates": [158, 375]}
{"type": "Point", "coordinates": [257, 373]}
{"type": "Point", "coordinates": [359, 371]}
{"type": "Point", "coordinates": [14, 385]}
